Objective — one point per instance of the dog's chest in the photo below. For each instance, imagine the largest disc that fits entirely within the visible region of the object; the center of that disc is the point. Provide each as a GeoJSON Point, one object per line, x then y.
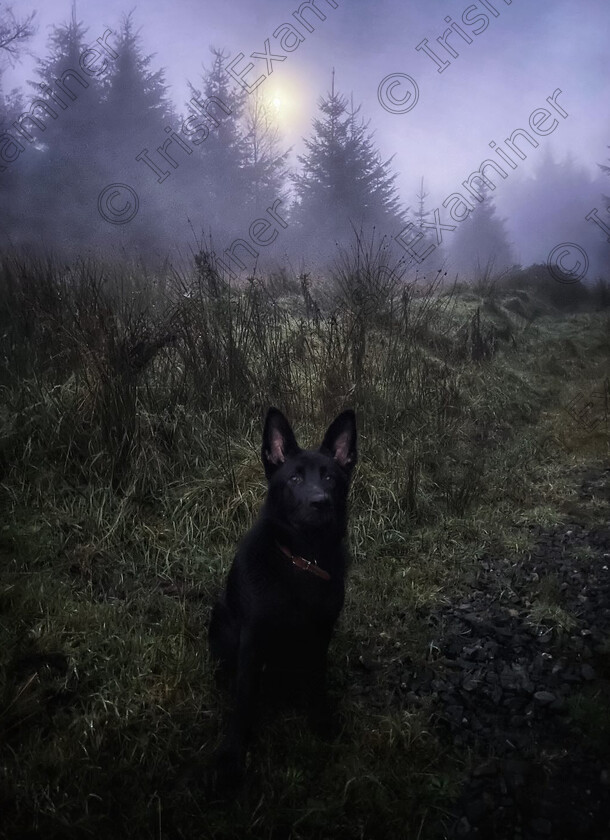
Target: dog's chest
{"type": "Point", "coordinates": [303, 601]}
{"type": "Point", "coordinates": [314, 599]}
{"type": "Point", "coordinates": [301, 624]}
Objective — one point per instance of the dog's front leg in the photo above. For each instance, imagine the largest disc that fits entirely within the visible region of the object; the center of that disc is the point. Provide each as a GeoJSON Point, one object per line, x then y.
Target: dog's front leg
{"type": "Point", "coordinates": [231, 757]}
{"type": "Point", "coordinates": [322, 714]}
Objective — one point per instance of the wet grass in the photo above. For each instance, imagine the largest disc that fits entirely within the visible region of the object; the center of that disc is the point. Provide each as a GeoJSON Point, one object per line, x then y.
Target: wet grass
{"type": "Point", "coordinates": [129, 452]}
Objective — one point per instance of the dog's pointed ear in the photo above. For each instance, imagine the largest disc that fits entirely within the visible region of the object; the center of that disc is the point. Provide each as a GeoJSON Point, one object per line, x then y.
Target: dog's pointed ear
{"type": "Point", "coordinates": [279, 441]}
{"type": "Point", "coordinates": [340, 440]}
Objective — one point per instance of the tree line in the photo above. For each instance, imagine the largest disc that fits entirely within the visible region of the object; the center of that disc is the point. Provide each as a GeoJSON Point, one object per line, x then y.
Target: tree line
{"type": "Point", "coordinates": [100, 113]}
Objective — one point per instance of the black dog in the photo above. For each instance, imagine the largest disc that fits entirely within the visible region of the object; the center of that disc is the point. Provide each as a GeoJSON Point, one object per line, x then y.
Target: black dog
{"type": "Point", "coordinates": [285, 589]}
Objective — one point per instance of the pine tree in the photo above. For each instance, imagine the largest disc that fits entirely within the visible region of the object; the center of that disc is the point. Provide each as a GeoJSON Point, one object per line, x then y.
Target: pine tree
{"type": "Point", "coordinates": [59, 158]}
{"type": "Point", "coordinates": [601, 220]}
{"type": "Point", "coordinates": [551, 207]}
{"type": "Point", "coordinates": [137, 114]}
{"type": "Point", "coordinates": [480, 246]}
{"type": "Point", "coordinates": [606, 170]}
{"type": "Point", "coordinates": [436, 261]}
{"type": "Point", "coordinates": [214, 126]}
{"type": "Point", "coordinates": [136, 99]}
{"type": "Point", "coordinates": [343, 185]}
{"type": "Point", "coordinates": [17, 178]}
{"type": "Point", "coordinates": [421, 214]}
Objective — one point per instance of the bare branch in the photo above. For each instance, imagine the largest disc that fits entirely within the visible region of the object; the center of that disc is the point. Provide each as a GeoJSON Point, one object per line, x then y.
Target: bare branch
{"type": "Point", "coordinates": [14, 32]}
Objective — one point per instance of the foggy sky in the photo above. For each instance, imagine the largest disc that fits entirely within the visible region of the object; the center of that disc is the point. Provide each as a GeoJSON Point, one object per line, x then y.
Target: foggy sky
{"type": "Point", "coordinates": [527, 51]}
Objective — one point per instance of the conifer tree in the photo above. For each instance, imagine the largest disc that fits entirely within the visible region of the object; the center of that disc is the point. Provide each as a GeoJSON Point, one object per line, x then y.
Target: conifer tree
{"type": "Point", "coordinates": [136, 98]}
{"type": "Point", "coordinates": [551, 206]}
{"type": "Point", "coordinates": [606, 170]}
{"type": "Point", "coordinates": [436, 261]}
{"type": "Point", "coordinates": [137, 114]}
{"type": "Point", "coordinates": [59, 157]}
{"type": "Point", "coordinates": [16, 177]}
{"type": "Point", "coordinates": [214, 126]}
{"type": "Point", "coordinates": [480, 245]}
{"type": "Point", "coordinates": [344, 184]}
{"type": "Point", "coordinates": [421, 214]}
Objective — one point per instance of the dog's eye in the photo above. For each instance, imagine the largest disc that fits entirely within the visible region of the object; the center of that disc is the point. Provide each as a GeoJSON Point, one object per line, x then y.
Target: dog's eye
{"type": "Point", "coordinates": [296, 478]}
{"type": "Point", "coordinates": [328, 478]}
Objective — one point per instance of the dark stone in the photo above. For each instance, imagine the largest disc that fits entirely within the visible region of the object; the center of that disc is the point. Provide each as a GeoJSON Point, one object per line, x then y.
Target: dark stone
{"type": "Point", "coordinates": [544, 698]}
{"type": "Point", "coordinates": [515, 773]}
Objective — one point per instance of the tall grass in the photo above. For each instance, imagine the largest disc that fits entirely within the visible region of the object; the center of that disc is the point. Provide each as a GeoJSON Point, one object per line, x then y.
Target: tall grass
{"type": "Point", "coordinates": [130, 414]}
{"type": "Point", "coordinates": [114, 376]}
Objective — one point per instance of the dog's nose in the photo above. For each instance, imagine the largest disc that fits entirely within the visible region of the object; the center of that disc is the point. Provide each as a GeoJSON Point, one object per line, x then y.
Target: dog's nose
{"type": "Point", "coordinates": [319, 502]}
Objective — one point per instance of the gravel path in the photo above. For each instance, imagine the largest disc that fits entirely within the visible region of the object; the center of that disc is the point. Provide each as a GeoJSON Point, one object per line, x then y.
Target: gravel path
{"type": "Point", "coordinates": [522, 679]}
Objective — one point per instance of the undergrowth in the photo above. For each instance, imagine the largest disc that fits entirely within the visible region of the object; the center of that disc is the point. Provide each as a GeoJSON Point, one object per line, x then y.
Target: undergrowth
{"type": "Point", "coordinates": [129, 461]}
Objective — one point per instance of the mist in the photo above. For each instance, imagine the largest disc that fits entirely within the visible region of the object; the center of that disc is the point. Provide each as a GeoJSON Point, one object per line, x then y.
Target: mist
{"type": "Point", "coordinates": [463, 136]}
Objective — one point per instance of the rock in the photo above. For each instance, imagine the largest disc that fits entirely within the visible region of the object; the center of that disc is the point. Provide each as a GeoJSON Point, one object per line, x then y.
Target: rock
{"type": "Point", "coordinates": [515, 774]}
{"type": "Point", "coordinates": [545, 637]}
{"type": "Point", "coordinates": [496, 695]}
{"type": "Point", "coordinates": [544, 698]}
{"type": "Point", "coordinates": [572, 676]}
{"type": "Point", "coordinates": [515, 704]}
{"type": "Point", "coordinates": [508, 679]}
{"type": "Point", "coordinates": [456, 713]}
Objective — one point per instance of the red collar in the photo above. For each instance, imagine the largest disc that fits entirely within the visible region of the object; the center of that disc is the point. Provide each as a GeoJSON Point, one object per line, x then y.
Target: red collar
{"type": "Point", "coordinates": [302, 563]}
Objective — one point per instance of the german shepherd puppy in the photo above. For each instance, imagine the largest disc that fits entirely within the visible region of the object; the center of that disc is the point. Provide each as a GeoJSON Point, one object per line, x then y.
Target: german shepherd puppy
{"type": "Point", "coordinates": [285, 589]}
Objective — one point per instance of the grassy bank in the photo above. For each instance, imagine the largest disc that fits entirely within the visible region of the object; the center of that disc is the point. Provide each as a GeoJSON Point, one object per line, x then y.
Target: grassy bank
{"type": "Point", "coordinates": [129, 461]}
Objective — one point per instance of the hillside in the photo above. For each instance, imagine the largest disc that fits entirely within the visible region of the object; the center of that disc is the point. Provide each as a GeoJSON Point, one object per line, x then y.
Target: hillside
{"type": "Point", "coordinates": [472, 661]}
